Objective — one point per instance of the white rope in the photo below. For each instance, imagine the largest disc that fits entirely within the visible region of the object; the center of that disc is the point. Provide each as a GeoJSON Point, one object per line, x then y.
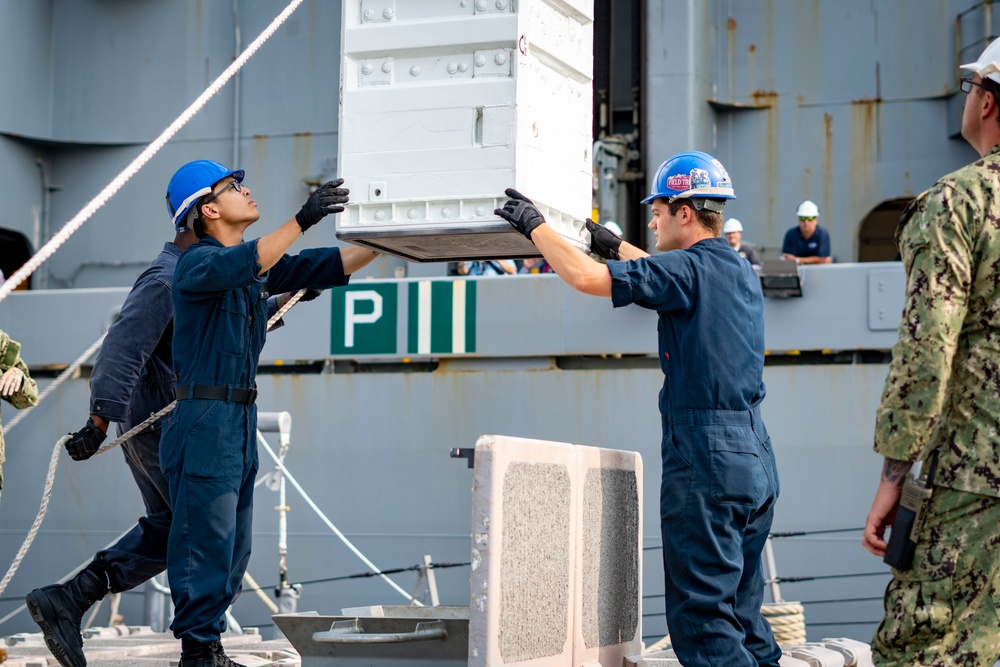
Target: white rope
{"type": "Point", "coordinates": [70, 371]}
{"type": "Point", "coordinates": [51, 474]}
{"type": "Point", "coordinates": [138, 163]}
{"type": "Point", "coordinates": [284, 309]}
{"type": "Point", "coordinates": [329, 524]}
{"type": "Point", "coordinates": [255, 587]}
{"type": "Point", "coordinates": [787, 620]}
{"type": "Point", "coordinates": [66, 577]}
{"type": "Point", "coordinates": [660, 645]}
{"type": "Point", "coordinates": [46, 494]}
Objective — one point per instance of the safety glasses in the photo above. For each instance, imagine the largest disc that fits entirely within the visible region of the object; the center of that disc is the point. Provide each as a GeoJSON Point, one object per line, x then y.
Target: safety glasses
{"type": "Point", "coordinates": [967, 84]}
{"type": "Point", "coordinates": [809, 218]}
{"type": "Point", "coordinates": [235, 185]}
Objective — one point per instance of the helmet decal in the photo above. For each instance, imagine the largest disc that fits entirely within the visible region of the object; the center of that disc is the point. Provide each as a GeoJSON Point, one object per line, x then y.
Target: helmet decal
{"type": "Point", "coordinates": [691, 175]}
{"type": "Point", "coordinates": [679, 182]}
{"type": "Point", "coordinates": [699, 179]}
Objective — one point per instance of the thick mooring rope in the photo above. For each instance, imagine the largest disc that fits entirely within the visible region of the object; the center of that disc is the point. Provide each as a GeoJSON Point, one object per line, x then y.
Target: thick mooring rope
{"type": "Point", "coordinates": [139, 162]}
{"type": "Point", "coordinates": [50, 476]}
{"type": "Point", "coordinates": [70, 371]}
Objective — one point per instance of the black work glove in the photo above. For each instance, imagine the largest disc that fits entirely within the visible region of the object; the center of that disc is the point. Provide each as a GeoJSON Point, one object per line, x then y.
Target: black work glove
{"type": "Point", "coordinates": [84, 443]}
{"type": "Point", "coordinates": [603, 242]}
{"type": "Point", "coordinates": [328, 198]}
{"type": "Point", "coordinates": [520, 212]}
{"type": "Point", "coordinates": [310, 294]}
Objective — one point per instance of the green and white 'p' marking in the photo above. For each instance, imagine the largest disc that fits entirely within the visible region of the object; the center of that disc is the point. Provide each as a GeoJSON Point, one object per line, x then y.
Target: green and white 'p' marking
{"type": "Point", "coordinates": [442, 317]}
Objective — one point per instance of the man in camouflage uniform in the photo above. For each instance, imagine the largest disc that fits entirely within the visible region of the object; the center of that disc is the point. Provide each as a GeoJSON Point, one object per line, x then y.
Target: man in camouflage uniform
{"type": "Point", "coordinates": [16, 385]}
{"type": "Point", "coordinates": [943, 393]}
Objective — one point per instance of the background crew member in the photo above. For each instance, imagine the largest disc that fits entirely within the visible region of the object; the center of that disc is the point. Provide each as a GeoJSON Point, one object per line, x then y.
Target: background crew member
{"type": "Point", "coordinates": [733, 231]}
{"type": "Point", "coordinates": [809, 243]}
{"type": "Point", "coordinates": [719, 480]}
{"type": "Point", "coordinates": [209, 452]}
{"type": "Point", "coordinates": [133, 378]}
{"type": "Point", "coordinates": [16, 385]}
{"type": "Point", "coordinates": [941, 396]}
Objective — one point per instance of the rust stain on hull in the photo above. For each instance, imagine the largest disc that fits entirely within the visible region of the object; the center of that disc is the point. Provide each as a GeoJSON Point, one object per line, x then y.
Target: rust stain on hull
{"type": "Point", "coordinates": [769, 100]}
{"type": "Point", "coordinates": [827, 162]}
{"type": "Point", "coordinates": [864, 143]}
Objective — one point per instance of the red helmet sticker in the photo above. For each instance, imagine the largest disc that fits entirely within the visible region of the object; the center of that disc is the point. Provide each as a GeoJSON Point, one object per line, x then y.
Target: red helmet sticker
{"type": "Point", "coordinates": [679, 182]}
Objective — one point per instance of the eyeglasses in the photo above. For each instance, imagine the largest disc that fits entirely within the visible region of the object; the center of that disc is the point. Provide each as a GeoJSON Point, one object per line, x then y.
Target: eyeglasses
{"type": "Point", "coordinates": [235, 185]}
{"type": "Point", "coordinates": [807, 218]}
{"type": "Point", "coordinates": [967, 84]}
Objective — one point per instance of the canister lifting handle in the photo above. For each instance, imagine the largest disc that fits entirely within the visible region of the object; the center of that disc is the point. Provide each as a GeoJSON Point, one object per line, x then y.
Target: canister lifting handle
{"type": "Point", "coordinates": [349, 632]}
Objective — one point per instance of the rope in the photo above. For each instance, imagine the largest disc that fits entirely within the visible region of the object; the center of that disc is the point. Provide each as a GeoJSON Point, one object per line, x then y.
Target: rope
{"type": "Point", "coordinates": [46, 494]}
{"type": "Point", "coordinates": [660, 645]}
{"type": "Point", "coordinates": [54, 461]}
{"type": "Point", "coordinates": [395, 570]}
{"type": "Point", "coordinates": [800, 533]}
{"type": "Point", "coordinates": [64, 579]}
{"type": "Point", "coordinates": [788, 622]}
{"type": "Point", "coordinates": [792, 533]}
{"type": "Point", "coordinates": [329, 524]}
{"type": "Point", "coordinates": [294, 299]}
{"type": "Point", "coordinates": [70, 371]}
{"type": "Point", "coordinates": [792, 580]}
{"type": "Point", "coordinates": [255, 587]}
{"type": "Point", "coordinates": [139, 162]}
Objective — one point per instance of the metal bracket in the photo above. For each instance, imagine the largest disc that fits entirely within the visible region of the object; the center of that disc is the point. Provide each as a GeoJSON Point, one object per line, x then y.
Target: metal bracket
{"type": "Point", "coordinates": [464, 453]}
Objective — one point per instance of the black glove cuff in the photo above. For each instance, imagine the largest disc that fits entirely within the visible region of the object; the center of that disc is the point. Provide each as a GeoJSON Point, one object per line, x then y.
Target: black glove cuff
{"type": "Point", "coordinates": [301, 218]}
{"type": "Point", "coordinates": [95, 432]}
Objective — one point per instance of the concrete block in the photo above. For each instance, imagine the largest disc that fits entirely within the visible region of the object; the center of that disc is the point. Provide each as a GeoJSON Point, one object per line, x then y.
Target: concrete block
{"type": "Point", "coordinates": [556, 569]}
{"type": "Point", "coordinates": [521, 600]}
{"type": "Point", "coordinates": [609, 556]}
{"type": "Point", "coordinates": [445, 103]}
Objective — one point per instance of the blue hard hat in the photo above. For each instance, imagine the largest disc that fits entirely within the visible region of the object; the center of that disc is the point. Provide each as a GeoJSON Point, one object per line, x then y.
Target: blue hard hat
{"type": "Point", "coordinates": [189, 184]}
{"type": "Point", "coordinates": [691, 175]}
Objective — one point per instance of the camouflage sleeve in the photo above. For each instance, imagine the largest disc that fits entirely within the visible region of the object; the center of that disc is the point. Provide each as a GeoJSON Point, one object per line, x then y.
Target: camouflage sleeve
{"type": "Point", "coordinates": [936, 246]}
{"type": "Point", "coordinates": [10, 350]}
{"type": "Point", "coordinates": [10, 356]}
{"type": "Point", "coordinates": [27, 395]}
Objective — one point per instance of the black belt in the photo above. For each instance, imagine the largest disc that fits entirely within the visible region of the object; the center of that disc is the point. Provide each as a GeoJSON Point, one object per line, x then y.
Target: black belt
{"type": "Point", "coordinates": [216, 393]}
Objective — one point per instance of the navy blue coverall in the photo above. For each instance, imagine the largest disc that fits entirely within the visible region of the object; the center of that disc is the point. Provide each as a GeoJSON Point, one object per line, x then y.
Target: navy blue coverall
{"type": "Point", "coordinates": [208, 451]}
{"type": "Point", "coordinates": [133, 378]}
{"type": "Point", "coordinates": [719, 481]}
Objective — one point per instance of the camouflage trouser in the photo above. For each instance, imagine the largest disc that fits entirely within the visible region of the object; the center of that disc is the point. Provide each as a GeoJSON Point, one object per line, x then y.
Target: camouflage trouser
{"type": "Point", "coordinates": [944, 611]}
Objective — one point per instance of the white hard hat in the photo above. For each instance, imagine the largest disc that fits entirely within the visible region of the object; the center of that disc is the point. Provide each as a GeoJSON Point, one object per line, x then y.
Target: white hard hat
{"type": "Point", "coordinates": [614, 227]}
{"type": "Point", "coordinates": [732, 225]}
{"type": "Point", "coordinates": [988, 65]}
{"type": "Point", "coordinates": [807, 209]}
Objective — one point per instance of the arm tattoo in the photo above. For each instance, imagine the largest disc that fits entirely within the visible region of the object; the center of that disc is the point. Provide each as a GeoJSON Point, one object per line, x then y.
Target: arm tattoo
{"type": "Point", "coordinates": [894, 471]}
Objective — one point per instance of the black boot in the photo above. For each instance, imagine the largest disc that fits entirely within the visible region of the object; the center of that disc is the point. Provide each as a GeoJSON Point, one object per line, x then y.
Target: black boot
{"type": "Point", "coordinates": [211, 654]}
{"type": "Point", "coordinates": [58, 610]}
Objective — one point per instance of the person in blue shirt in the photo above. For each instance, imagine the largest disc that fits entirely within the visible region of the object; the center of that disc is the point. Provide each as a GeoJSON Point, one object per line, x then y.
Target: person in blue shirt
{"type": "Point", "coordinates": [489, 267]}
{"type": "Point", "coordinates": [809, 243]}
{"type": "Point", "coordinates": [133, 377]}
{"type": "Point", "coordinates": [719, 479]}
{"type": "Point", "coordinates": [208, 450]}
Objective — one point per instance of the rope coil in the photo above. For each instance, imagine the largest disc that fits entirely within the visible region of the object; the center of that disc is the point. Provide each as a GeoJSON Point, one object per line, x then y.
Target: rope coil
{"type": "Point", "coordinates": [787, 620]}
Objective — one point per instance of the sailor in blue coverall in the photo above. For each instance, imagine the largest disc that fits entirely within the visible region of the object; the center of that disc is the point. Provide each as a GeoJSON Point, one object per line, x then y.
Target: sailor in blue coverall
{"type": "Point", "coordinates": [719, 481]}
{"type": "Point", "coordinates": [208, 451]}
{"type": "Point", "coordinates": [133, 378]}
